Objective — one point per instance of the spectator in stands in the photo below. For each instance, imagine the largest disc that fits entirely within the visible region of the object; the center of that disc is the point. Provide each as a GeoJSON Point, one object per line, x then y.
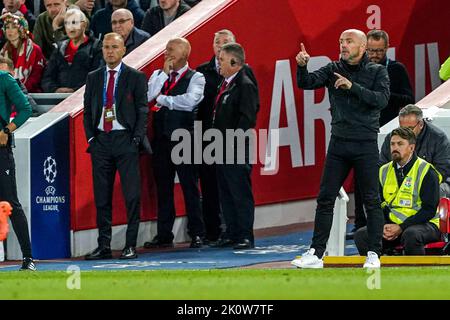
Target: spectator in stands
{"type": "Point", "coordinates": [74, 58]}
{"type": "Point", "coordinates": [18, 8]}
{"type": "Point", "coordinates": [358, 91]}
{"type": "Point", "coordinates": [44, 34]}
{"type": "Point", "coordinates": [122, 22]}
{"type": "Point", "coordinates": [101, 21]}
{"type": "Point", "coordinates": [444, 72]}
{"type": "Point", "coordinates": [207, 172]}
{"type": "Point", "coordinates": [401, 95]}
{"type": "Point", "coordinates": [409, 195]}
{"type": "Point", "coordinates": [177, 90]}
{"type": "Point", "coordinates": [432, 144]}
{"type": "Point", "coordinates": [26, 55]}
{"type": "Point", "coordinates": [158, 17]}
{"type": "Point", "coordinates": [235, 108]}
{"type": "Point", "coordinates": [10, 94]}
{"type": "Point", "coordinates": [7, 65]}
{"type": "Point", "coordinates": [115, 120]}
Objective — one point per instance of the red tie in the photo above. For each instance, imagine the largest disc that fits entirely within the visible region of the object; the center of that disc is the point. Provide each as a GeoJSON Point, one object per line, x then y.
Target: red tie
{"type": "Point", "coordinates": [170, 82]}
{"type": "Point", "coordinates": [222, 89]}
{"type": "Point", "coordinates": [107, 125]}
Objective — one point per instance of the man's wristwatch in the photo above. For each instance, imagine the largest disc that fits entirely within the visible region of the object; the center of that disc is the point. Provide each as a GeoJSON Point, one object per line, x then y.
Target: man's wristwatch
{"type": "Point", "coordinates": [6, 130]}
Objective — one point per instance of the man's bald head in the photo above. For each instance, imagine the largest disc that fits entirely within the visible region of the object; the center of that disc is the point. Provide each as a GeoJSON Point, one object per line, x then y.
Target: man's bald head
{"type": "Point", "coordinates": [353, 44]}
{"type": "Point", "coordinates": [182, 42]}
{"type": "Point", "coordinates": [177, 52]}
{"type": "Point", "coordinates": [114, 36]}
{"type": "Point", "coordinates": [361, 36]}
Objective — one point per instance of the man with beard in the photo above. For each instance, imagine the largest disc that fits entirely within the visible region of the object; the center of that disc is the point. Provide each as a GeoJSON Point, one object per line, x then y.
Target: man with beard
{"type": "Point", "coordinates": [358, 90]}
{"type": "Point", "coordinates": [410, 196]}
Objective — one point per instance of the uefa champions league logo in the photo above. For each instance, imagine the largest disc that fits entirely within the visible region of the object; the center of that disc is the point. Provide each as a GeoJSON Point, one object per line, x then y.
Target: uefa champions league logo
{"type": "Point", "coordinates": [50, 171]}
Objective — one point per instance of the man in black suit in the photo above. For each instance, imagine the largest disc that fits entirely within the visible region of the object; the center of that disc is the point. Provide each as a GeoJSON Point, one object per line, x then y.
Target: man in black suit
{"type": "Point", "coordinates": [115, 118]}
{"type": "Point", "coordinates": [175, 90]}
{"type": "Point", "coordinates": [236, 106]}
{"type": "Point", "coordinates": [207, 172]}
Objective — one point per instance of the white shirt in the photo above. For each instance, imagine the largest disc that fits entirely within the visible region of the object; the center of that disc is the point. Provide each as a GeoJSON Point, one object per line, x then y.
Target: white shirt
{"type": "Point", "coordinates": [115, 124]}
{"type": "Point", "coordinates": [230, 78]}
{"type": "Point", "coordinates": [183, 102]}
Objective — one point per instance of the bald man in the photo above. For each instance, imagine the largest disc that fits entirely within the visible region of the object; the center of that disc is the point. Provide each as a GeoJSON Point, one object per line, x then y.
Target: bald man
{"type": "Point", "coordinates": [358, 90]}
{"type": "Point", "coordinates": [115, 123]}
{"type": "Point", "coordinates": [175, 92]}
{"type": "Point", "coordinates": [122, 22]}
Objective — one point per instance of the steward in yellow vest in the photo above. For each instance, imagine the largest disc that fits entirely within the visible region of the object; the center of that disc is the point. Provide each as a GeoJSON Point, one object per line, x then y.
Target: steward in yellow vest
{"type": "Point", "coordinates": [410, 195]}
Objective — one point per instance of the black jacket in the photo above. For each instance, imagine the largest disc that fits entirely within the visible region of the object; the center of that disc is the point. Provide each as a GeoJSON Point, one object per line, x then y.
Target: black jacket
{"type": "Point", "coordinates": [135, 39]}
{"type": "Point", "coordinates": [101, 20]}
{"type": "Point", "coordinates": [239, 104]}
{"type": "Point", "coordinates": [432, 145]}
{"type": "Point", "coordinates": [154, 18]}
{"type": "Point", "coordinates": [400, 88]}
{"type": "Point", "coordinates": [58, 73]}
{"type": "Point", "coordinates": [131, 101]}
{"type": "Point", "coordinates": [213, 81]}
{"type": "Point", "coordinates": [355, 113]}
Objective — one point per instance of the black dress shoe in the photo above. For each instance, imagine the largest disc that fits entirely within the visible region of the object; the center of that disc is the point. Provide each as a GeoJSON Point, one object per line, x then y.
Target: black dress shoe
{"type": "Point", "coordinates": [244, 244]}
{"type": "Point", "coordinates": [99, 254]}
{"type": "Point", "coordinates": [223, 243]}
{"type": "Point", "coordinates": [129, 253]}
{"type": "Point", "coordinates": [158, 243]}
{"type": "Point", "coordinates": [196, 242]}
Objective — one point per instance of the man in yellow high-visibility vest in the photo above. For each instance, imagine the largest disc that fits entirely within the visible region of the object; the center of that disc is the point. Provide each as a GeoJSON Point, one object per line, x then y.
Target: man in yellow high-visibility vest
{"type": "Point", "coordinates": [410, 195]}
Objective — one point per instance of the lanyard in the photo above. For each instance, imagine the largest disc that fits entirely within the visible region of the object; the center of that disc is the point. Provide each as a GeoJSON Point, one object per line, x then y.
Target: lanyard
{"type": "Point", "coordinates": [116, 80]}
{"type": "Point", "coordinates": [167, 88]}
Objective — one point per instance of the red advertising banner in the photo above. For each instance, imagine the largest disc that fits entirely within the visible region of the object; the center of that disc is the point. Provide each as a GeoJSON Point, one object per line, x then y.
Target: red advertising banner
{"type": "Point", "coordinates": [271, 33]}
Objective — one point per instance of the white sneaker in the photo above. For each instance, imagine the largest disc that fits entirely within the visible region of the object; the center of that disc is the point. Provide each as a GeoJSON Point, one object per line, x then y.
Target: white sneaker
{"type": "Point", "coordinates": [372, 260]}
{"type": "Point", "coordinates": [308, 260]}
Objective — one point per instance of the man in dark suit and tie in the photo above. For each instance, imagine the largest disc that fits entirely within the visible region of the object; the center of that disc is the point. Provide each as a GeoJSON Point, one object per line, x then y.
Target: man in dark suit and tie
{"type": "Point", "coordinates": [115, 119]}
{"type": "Point", "coordinates": [236, 106]}
{"type": "Point", "coordinates": [207, 172]}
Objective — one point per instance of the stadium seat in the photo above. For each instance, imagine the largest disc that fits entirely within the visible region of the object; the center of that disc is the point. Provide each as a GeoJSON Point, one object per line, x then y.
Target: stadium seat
{"type": "Point", "coordinates": [441, 247]}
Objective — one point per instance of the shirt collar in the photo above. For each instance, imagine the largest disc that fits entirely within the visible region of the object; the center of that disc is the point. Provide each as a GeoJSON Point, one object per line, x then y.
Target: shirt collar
{"type": "Point", "coordinates": [182, 70]}
{"type": "Point", "coordinates": [406, 165]}
{"type": "Point", "coordinates": [117, 68]}
{"type": "Point", "coordinates": [230, 78]}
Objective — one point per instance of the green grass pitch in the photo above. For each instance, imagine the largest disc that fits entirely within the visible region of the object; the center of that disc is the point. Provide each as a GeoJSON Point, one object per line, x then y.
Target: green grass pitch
{"type": "Point", "coordinates": [328, 283]}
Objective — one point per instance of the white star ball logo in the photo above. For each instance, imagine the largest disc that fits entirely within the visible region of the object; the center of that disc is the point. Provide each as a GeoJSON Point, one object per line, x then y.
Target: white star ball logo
{"type": "Point", "coordinates": [50, 171]}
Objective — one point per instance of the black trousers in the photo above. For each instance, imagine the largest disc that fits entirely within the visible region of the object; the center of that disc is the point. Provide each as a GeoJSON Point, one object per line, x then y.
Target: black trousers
{"type": "Point", "coordinates": [164, 171]}
{"type": "Point", "coordinates": [342, 156]}
{"type": "Point", "coordinates": [360, 215]}
{"type": "Point", "coordinates": [111, 152]}
{"type": "Point", "coordinates": [236, 198]}
{"type": "Point", "coordinates": [414, 238]}
{"type": "Point", "coordinates": [210, 201]}
{"type": "Point", "coordinates": [8, 192]}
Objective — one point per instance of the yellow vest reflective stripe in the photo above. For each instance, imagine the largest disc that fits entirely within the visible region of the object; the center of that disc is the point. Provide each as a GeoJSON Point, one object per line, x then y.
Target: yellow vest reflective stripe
{"type": "Point", "coordinates": [405, 201]}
